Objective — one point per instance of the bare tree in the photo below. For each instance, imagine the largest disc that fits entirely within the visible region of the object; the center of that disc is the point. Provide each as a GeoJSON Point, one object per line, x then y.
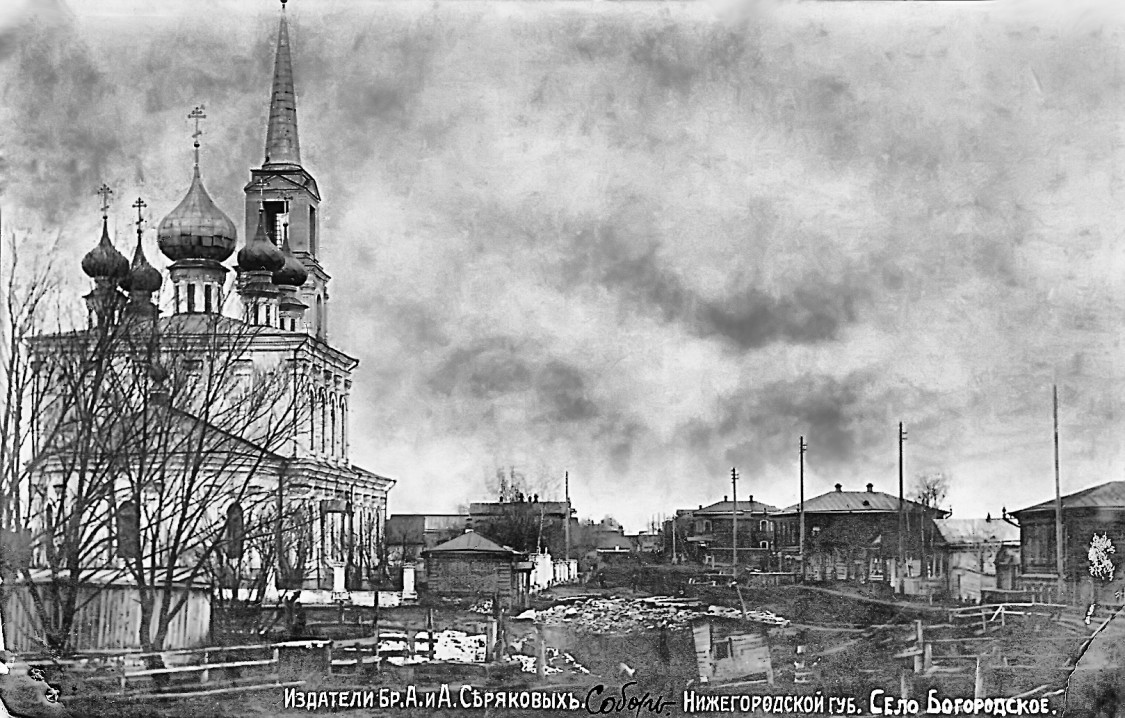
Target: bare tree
{"type": "Point", "coordinates": [929, 491]}
{"type": "Point", "coordinates": [157, 432]}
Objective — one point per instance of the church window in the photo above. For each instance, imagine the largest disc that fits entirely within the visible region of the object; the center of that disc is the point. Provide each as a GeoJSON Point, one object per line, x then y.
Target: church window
{"type": "Point", "coordinates": [176, 298]}
{"type": "Point", "coordinates": [256, 319]}
{"type": "Point", "coordinates": [319, 317]}
{"type": "Point", "coordinates": [323, 409]}
{"type": "Point", "coordinates": [128, 530]}
{"type": "Point", "coordinates": [333, 412]}
{"type": "Point", "coordinates": [234, 531]}
{"type": "Point", "coordinates": [207, 298]}
{"type": "Point", "coordinates": [312, 231]}
{"type": "Point", "coordinates": [312, 422]}
{"type": "Point", "coordinates": [191, 297]}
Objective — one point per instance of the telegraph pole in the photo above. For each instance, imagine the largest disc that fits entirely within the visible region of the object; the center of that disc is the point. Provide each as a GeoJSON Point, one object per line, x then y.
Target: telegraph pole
{"type": "Point", "coordinates": [803, 448]}
{"type": "Point", "coordinates": [734, 520]}
{"type": "Point", "coordinates": [566, 530]}
{"type": "Point", "coordinates": [901, 515]}
{"type": "Point", "coordinates": [1059, 561]}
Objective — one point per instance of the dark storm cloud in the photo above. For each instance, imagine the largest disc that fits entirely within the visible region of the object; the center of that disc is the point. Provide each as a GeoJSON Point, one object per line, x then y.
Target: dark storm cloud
{"type": "Point", "coordinates": [60, 137]}
{"type": "Point", "coordinates": [757, 429]}
{"type": "Point", "coordinates": [747, 318]}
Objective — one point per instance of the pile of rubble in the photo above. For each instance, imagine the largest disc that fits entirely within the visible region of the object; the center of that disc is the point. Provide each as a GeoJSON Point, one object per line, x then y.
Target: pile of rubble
{"type": "Point", "coordinates": [622, 615]}
{"type": "Point", "coordinates": [554, 656]}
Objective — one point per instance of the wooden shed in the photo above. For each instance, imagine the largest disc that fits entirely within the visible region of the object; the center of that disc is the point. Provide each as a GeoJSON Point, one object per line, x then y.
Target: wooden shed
{"type": "Point", "coordinates": [471, 565]}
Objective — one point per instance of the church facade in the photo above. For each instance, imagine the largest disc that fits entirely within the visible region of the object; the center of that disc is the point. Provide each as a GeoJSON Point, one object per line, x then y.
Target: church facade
{"type": "Point", "coordinates": [207, 444]}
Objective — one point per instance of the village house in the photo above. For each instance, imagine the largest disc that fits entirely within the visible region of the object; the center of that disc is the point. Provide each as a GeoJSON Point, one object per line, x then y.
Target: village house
{"type": "Point", "coordinates": [1096, 511]}
{"type": "Point", "coordinates": [854, 536]}
{"type": "Point", "coordinates": [979, 555]}
{"type": "Point", "coordinates": [473, 566]}
{"type": "Point", "coordinates": [706, 534]}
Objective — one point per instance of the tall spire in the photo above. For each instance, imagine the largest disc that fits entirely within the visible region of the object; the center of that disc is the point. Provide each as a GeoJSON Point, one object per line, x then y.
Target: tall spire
{"type": "Point", "coordinates": [282, 146]}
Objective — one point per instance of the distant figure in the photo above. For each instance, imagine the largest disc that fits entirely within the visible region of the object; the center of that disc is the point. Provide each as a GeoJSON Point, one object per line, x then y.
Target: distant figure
{"type": "Point", "coordinates": [601, 579]}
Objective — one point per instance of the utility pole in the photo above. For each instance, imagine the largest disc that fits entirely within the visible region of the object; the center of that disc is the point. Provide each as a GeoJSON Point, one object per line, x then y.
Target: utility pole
{"type": "Point", "coordinates": [803, 448]}
{"type": "Point", "coordinates": [734, 520]}
{"type": "Point", "coordinates": [1059, 560]}
{"type": "Point", "coordinates": [901, 516]}
{"type": "Point", "coordinates": [566, 530]}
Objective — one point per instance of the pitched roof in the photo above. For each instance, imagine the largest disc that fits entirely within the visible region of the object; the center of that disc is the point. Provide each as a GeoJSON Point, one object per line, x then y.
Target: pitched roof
{"type": "Point", "coordinates": [1108, 495]}
{"type": "Point", "coordinates": [474, 542]}
{"type": "Point", "coordinates": [726, 507]}
{"type": "Point", "coordinates": [856, 502]}
{"type": "Point", "coordinates": [976, 531]}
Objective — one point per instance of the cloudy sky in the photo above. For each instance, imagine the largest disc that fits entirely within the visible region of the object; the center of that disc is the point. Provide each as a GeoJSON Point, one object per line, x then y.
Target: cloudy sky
{"type": "Point", "coordinates": [646, 242]}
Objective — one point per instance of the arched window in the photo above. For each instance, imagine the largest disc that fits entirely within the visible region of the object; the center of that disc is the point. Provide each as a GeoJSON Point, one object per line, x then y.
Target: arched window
{"type": "Point", "coordinates": [322, 407]}
{"type": "Point", "coordinates": [128, 530]}
{"type": "Point", "coordinates": [207, 298]}
{"type": "Point", "coordinates": [343, 427]}
{"type": "Point", "coordinates": [319, 317]}
{"type": "Point", "coordinates": [312, 421]}
{"type": "Point", "coordinates": [332, 409]}
{"type": "Point", "coordinates": [234, 531]}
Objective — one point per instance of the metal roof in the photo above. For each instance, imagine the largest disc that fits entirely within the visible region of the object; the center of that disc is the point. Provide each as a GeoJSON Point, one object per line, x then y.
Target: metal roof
{"type": "Point", "coordinates": [1108, 495]}
{"type": "Point", "coordinates": [726, 507]}
{"type": "Point", "coordinates": [472, 542]}
{"type": "Point", "coordinates": [856, 502]}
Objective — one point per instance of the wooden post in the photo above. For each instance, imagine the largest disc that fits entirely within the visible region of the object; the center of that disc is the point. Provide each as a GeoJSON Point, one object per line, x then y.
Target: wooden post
{"type": "Point", "coordinates": [919, 663]}
{"type": "Point", "coordinates": [490, 636]}
{"type": "Point", "coordinates": [540, 654]}
{"type": "Point", "coordinates": [741, 602]}
{"type": "Point", "coordinates": [430, 631]}
{"type": "Point", "coordinates": [978, 679]}
{"type": "Point", "coordinates": [983, 621]}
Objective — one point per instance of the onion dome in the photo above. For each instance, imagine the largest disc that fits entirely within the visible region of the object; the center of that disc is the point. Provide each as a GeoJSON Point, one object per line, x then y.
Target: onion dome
{"type": "Point", "coordinates": [292, 273]}
{"type": "Point", "coordinates": [142, 276]}
{"type": "Point", "coordinates": [104, 261]}
{"type": "Point", "coordinates": [196, 228]}
{"type": "Point", "coordinates": [260, 254]}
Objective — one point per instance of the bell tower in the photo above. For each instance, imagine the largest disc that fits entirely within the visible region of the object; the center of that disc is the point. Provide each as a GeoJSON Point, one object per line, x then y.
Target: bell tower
{"type": "Point", "coordinates": [285, 192]}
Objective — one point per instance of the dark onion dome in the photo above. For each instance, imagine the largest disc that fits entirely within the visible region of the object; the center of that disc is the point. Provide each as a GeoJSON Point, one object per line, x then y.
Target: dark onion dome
{"type": "Point", "coordinates": [260, 254]}
{"type": "Point", "coordinates": [104, 261]}
{"type": "Point", "coordinates": [196, 228]}
{"type": "Point", "coordinates": [142, 276]}
{"type": "Point", "coordinates": [292, 273]}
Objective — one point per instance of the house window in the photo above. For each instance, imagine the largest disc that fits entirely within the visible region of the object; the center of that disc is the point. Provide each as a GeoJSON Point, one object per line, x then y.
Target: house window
{"type": "Point", "coordinates": [763, 525]}
{"type": "Point", "coordinates": [763, 544]}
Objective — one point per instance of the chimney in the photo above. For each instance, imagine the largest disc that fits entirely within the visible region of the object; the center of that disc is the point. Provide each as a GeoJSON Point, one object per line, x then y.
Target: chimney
{"type": "Point", "coordinates": [751, 502]}
{"type": "Point", "coordinates": [725, 497]}
{"type": "Point", "coordinates": [701, 507]}
{"type": "Point", "coordinates": [870, 488]}
{"type": "Point", "coordinates": [839, 488]}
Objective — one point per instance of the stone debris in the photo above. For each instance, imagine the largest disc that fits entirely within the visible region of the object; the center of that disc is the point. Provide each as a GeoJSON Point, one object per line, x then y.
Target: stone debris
{"type": "Point", "coordinates": [484, 607]}
{"type": "Point", "coordinates": [554, 656]}
{"type": "Point", "coordinates": [452, 646]}
{"type": "Point", "coordinates": [622, 615]}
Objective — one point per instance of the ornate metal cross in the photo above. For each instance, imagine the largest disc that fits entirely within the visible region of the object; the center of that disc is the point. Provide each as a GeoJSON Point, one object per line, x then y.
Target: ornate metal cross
{"type": "Point", "coordinates": [139, 204]}
{"type": "Point", "coordinates": [105, 192]}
